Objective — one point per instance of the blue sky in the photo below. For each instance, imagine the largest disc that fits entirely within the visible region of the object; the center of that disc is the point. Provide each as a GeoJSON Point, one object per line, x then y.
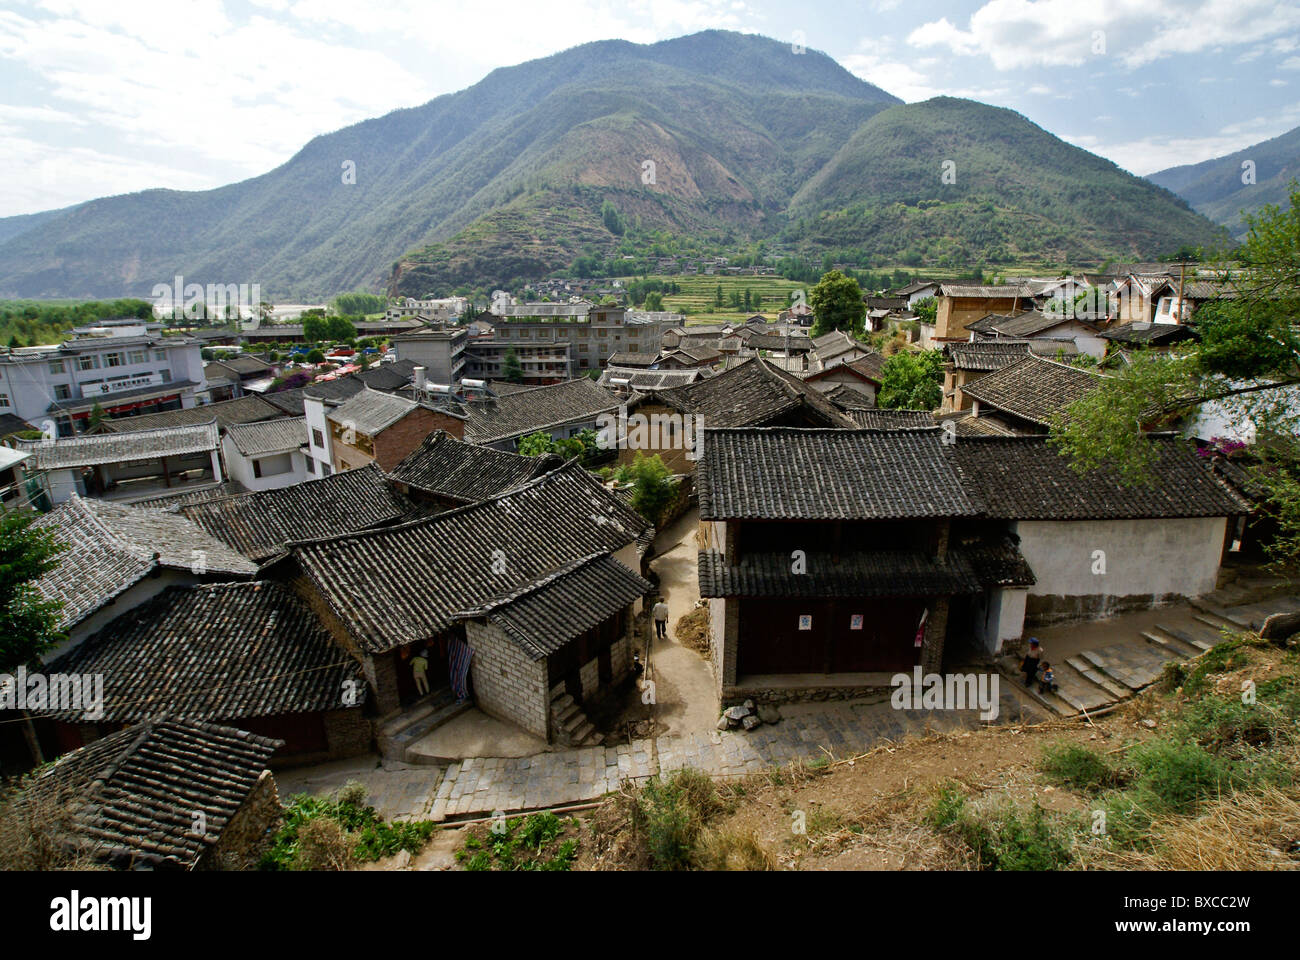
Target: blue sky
{"type": "Point", "coordinates": [99, 97]}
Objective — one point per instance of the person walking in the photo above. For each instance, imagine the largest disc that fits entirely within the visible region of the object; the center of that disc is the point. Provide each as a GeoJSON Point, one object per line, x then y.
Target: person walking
{"type": "Point", "coordinates": [661, 619]}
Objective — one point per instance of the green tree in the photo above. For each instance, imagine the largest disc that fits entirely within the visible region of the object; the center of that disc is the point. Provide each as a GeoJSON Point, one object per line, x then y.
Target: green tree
{"type": "Point", "coordinates": [511, 369]}
{"type": "Point", "coordinates": [654, 301]}
{"type": "Point", "coordinates": [339, 328]}
{"type": "Point", "coordinates": [316, 355]}
{"type": "Point", "coordinates": [912, 380]}
{"type": "Point", "coordinates": [1247, 363]}
{"type": "Point", "coordinates": [536, 444]}
{"type": "Point", "coordinates": [315, 329]}
{"type": "Point", "coordinates": [28, 623]}
{"type": "Point", "coordinates": [96, 415]}
{"type": "Point", "coordinates": [719, 301]}
{"type": "Point", "coordinates": [837, 304]}
{"type": "Point", "coordinates": [653, 485]}
{"type": "Point", "coordinates": [927, 308]}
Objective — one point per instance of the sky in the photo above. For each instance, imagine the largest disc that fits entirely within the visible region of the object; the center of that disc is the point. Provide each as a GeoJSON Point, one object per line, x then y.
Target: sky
{"type": "Point", "coordinates": [102, 97]}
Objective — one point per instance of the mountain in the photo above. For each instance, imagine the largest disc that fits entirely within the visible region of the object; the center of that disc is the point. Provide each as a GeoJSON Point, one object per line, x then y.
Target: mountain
{"type": "Point", "coordinates": [512, 178]}
{"type": "Point", "coordinates": [1215, 188]}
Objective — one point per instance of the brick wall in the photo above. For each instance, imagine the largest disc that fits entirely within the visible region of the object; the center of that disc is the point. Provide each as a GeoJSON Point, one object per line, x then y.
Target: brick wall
{"type": "Point", "coordinates": [507, 685]}
{"type": "Point", "coordinates": [392, 446]}
{"type": "Point", "coordinates": [348, 733]}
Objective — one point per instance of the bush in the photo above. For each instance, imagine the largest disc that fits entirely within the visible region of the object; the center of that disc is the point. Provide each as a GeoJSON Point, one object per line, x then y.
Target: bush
{"type": "Point", "coordinates": [1006, 838]}
{"type": "Point", "coordinates": [306, 841]}
{"type": "Point", "coordinates": [533, 843]}
{"type": "Point", "coordinates": [671, 812]}
{"type": "Point", "coordinates": [1075, 766]}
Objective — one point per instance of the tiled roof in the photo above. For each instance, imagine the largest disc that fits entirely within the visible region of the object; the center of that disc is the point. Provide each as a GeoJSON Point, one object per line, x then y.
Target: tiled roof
{"type": "Point", "coordinates": [630, 359]}
{"type": "Point", "coordinates": [134, 793]}
{"type": "Point", "coordinates": [372, 412]}
{"type": "Point", "coordinates": [244, 365]}
{"type": "Point", "coordinates": [753, 392]}
{"type": "Point", "coordinates": [407, 583]}
{"type": "Point", "coordinates": [893, 419]}
{"type": "Point", "coordinates": [871, 366]}
{"type": "Point", "coordinates": [541, 408]}
{"type": "Point", "coordinates": [1034, 389]}
{"type": "Point", "coordinates": [989, 425]}
{"type": "Point", "coordinates": [174, 501]}
{"type": "Point", "coordinates": [1028, 324]}
{"type": "Point", "coordinates": [543, 617]}
{"type": "Point", "coordinates": [1025, 478]}
{"type": "Point", "coordinates": [1140, 333]}
{"type": "Point", "coordinates": [334, 391]}
{"type": "Point", "coordinates": [1005, 291]}
{"type": "Point", "coordinates": [11, 424]}
{"type": "Point", "coordinates": [226, 412]}
{"type": "Point", "coordinates": [269, 436]}
{"type": "Point", "coordinates": [448, 467]}
{"type": "Point", "coordinates": [388, 376]}
{"type": "Point", "coordinates": [259, 524]}
{"type": "Point", "coordinates": [651, 380]}
{"type": "Point", "coordinates": [222, 651]}
{"type": "Point", "coordinates": [785, 473]}
{"type": "Point", "coordinates": [503, 388]}
{"type": "Point", "coordinates": [849, 399]}
{"type": "Point", "coordinates": [996, 560]}
{"type": "Point", "coordinates": [881, 573]}
{"type": "Point", "coordinates": [90, 398]}
{"type": "Point", "coordinates": [112, 546]}
{"type": "Point", "coordinates": [776, 341]}
{"type": "Point", "coordinates": [286, 401]}
{"type": "Point", "coordinates": [90, 449]}
{"type": "Point", "coordinates": [986, 355]}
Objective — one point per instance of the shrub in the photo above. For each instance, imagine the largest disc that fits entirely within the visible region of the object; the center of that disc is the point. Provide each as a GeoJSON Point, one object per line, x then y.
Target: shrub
{"type": "Point", "coordinates": [1007, 837]}
{"type": "Point", "coordinates": [1076, 766]}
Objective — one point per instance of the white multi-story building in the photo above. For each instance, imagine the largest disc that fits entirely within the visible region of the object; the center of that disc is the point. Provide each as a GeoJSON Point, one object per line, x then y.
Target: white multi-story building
{"type": "Point", "coordinates": [127, 367]}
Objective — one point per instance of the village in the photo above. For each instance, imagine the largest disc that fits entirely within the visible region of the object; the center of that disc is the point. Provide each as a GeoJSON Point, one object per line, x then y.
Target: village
{"type": "Point", "coordinates": [511, 564]}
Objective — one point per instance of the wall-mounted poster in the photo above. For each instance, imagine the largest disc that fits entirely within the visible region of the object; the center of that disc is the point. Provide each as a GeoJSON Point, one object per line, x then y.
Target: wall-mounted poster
{"type": "Point", "coordinates": [805, 621]}
{"type": "Point", "coordinates": [855, 622]}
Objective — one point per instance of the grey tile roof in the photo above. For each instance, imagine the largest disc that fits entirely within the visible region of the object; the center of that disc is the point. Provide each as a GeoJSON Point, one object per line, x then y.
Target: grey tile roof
{"type": "Point", "coordinates": [1029, 324]}
{"type": "Point", "coordinates": [996, 560]}
{"type": "Point", "coordinates": [89, 449]}
{"type": "Point", "coordinates": [220, 652]}
{"type": "Point", "coordinates": [334, 391]}
{"type": "Point", "coordinates": [629, 359]}
{"type": "Point", "coordinates": [893, 419]}
{"type": "Point", "coordinates": [11, 424]}
{"type": "Point", "coordinates": [448, 467]}
{"type": "Point", "coordinates": [1149, 334]}
{"type": "Point", "coordinates": [372, 412]}
{"type": "Point", "coordinates": [89, 399]}
{"type": "Point", "coordinates": [541, 408]}
{"type": "Point", "coordinates": [1004, 291]}
{"type": "Point", "coordinates": [753, 392]}
{"type": "Point", "coordinates": [647, 381]}
{"type": "Point", "coordinates": [882, 573]}
{"type": "Point", "coordinates": [544, 616]}
{"type": "Point", "coordinates": [990, 425]}
{"type": "Point", "coordinates": [174, 501]}
{"type": "Point", "coordinates": [407, 583]}
{"type": "Point", "coordinates": [134, 792]}
{"type": "Point", "coordinates": [849, 399]}
{"type": "Point", "coordinates": [112, 546]}
{"type": "Point", "coordinates": [269, 436]}
{"type": "Point", "coordinates": [786, 473]}
{"type": "Point", "coordinates": [259, 524]}
{"type": "Point", "coordinates": [226, 412]}
{"type": "Point", "coordinates": [1033, 388]}
{"type": "Point", "coordinates": [286, 401]}
{"type": "Point", "coordinates": [986, 355]}
{"type": "Point", "coordinates": [1025, 478]}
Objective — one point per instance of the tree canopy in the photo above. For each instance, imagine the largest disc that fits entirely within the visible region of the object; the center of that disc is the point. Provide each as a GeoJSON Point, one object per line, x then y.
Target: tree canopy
{"type": "Point", "coordinates": [912, 380]}
{"type": "Point", "coordinates": [837, 304]}
{"type": "Point", "coordinates": [28, 623]}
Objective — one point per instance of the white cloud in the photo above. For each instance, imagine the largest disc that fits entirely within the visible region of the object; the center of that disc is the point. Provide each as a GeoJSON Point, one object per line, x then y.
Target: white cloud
{"type": "Point", "coordinates": [1020, 33]}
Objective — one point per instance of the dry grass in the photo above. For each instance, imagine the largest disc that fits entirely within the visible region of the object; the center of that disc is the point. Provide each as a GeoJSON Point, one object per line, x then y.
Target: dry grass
{"type": "Point", "coordinates": [37, 833]}
{"type": "Point", "coordinates": [323, 844]}
{"type": "Point", "coordinates": [693, 631]}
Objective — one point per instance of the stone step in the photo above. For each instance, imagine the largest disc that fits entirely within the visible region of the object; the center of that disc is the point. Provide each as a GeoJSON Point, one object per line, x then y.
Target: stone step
{"type": "Point", "coordinates": [1187, 637]}
{"type": "Point", "coordinates": [1216, 626]}
{"type": "Point", "coordinates": [562, 701]}
{"type": "Point", "coordinates": [561, 716]}
{"type": "Point", "coordinates": [1054, 704]}
{"type": "Point", "coordinates": [1101, 680]}
{"type": "Point", "coordinates": [1230, 618]}
{"type": "Point", "coordinates": [583, 730]}
{"type": "Point", "coordinates": [403, 741]}
{"type": "Point", "coordinates": [431, 703]}
{"type": "Point", "coordinates": [1172, 646]}
{"type": "Point", "coordinates": [1111, 668]}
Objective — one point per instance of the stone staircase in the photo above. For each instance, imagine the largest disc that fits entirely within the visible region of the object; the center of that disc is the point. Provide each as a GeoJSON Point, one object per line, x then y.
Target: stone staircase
{"type": "Point", "coordinates": [1094, 679]}
{"type": "Point", "coordinates": [428, 713]}
{"type": "Point", "coordinates": [571, 726]}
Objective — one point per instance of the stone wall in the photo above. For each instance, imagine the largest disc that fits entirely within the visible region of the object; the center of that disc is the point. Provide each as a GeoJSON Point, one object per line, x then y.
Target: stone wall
{"type": "Point", "coordinates": [507, 685]}
{"type": "Point", "coordinates": [936, 626]}
{"type": "Point", "coordinates": [249, 831]}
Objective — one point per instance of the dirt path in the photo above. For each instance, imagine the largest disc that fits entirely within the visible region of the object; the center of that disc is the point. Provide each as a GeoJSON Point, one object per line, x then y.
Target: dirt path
{"type": "Point", "coordinates": [686, 694]}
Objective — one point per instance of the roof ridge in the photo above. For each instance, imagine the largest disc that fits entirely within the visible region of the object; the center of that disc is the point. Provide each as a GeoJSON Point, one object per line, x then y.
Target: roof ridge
{"type": "Point", "coordinates": [524, 589]}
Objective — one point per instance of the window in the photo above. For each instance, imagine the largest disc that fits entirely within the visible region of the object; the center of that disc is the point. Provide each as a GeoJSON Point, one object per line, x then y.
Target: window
{"type": "Point", "coordinates": [4, 401]}
{"type": "Point", "coordinates": [311, 465]}
{"type": "Point", "coordinates": [160, 355]}
{"type": "Point", "coordinates": [62, 391]}
{"type": "Point", "coordinates": [88, 362]}
{"type": "Point", "coordinates": [112, 359]}
{"type": "Point", "coordinates": [317, 440]}
{"type": "Point", "coordinates": [136, 356]}
{"type": "Point", "coordinates": [324, 469]}
{"type": "Point", "coordinates": [56, 366]}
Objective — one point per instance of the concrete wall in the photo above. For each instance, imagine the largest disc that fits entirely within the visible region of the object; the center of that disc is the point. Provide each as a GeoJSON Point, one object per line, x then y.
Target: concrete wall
{"type": "Point", "coordinates": [1146, 562]}
{"type": "Point", "coordinates": [278, 470]}
{"type": "Point", "coordinates": [1000, 616]}
{"type": "Point", "coordinates": [507, 685]}
{"type": "Point", "coordinates": [315, 412]}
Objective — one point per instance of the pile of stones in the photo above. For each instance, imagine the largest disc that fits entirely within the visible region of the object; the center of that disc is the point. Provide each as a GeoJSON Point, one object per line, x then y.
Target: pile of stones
{"type": "Point", "coordinates": [748, 716]}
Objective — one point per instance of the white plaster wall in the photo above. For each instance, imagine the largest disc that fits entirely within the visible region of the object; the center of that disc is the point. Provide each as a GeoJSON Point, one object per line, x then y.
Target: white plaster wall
{"type": "Point", "coordinates": [315, 411]}
{"type": "Point", "coordinates": [1155, 557]}
{"type": "Point", "coordinates": [241, 468]}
